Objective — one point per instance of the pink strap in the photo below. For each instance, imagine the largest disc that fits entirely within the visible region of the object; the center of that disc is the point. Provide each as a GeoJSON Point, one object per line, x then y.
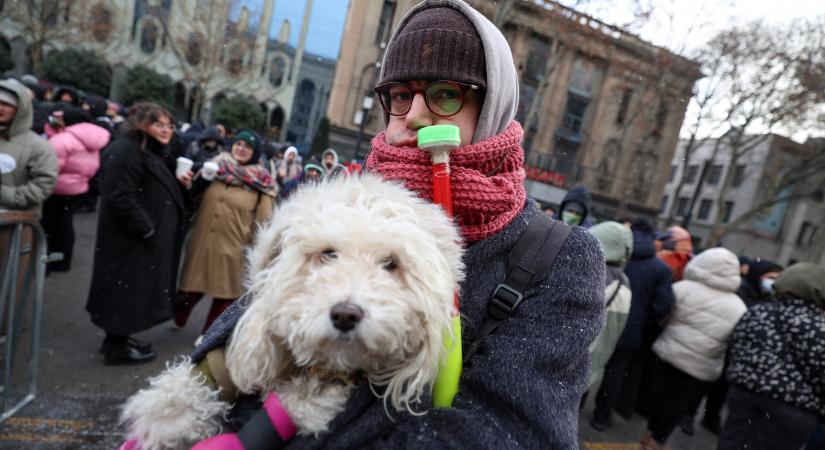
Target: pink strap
{"type": "Point", "coordinates": [131, 444]}
{"type": "Point", "coordinates": [279, 417]}
{"type": "Point", "coordinates": [228, 441]}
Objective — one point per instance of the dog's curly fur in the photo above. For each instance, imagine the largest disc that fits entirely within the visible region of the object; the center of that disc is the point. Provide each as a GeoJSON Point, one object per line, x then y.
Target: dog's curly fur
{"type": "Point", "coordinates": [358, 240]}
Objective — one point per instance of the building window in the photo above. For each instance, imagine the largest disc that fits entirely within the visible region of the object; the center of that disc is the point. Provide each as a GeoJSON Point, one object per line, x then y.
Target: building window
{"type": "Point", "coordinates": [627, 94]}
{"type": "Point", "coordinates": [807, 234]}
{"type": "Point", "coordinates": [728, 212]}
{"type": "Point", "coordinates": [738, 175]}
{"type": "Point", "coordinates": [537, 58]}
{"type": "Point", "coordinates": [574, 116]}
{"type": "Point", "coordinates": [683, 206]}
{"type": "Point", "coordinates": [661, 116]}
{"type": "Point", "coordinates": [277, 68]}
{"type": "Point", "coordinates": [385, 23]}
{"type": "Point", "coordinates": [101, 21]}
{"type": "Point", "coordinates": [149, 36]}
{"type": "Point", "coordinates": [692, 171]}
{"type": "Point", "coordinates": [714, 174]}
{"type": "Point", "coordinates": [704, 209]}
{"type": "Point", "coordinates": [673, 170]}
{"type": "Point", "coordinates": [663, 208]}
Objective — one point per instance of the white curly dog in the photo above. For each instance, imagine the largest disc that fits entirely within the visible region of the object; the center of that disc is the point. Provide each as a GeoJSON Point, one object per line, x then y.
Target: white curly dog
{"type": "Point", "coordinates": [351, 276]}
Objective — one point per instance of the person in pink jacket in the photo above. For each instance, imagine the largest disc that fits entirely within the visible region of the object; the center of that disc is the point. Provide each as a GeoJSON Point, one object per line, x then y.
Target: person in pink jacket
{"type": "Point", "coordinates": [78, 145]}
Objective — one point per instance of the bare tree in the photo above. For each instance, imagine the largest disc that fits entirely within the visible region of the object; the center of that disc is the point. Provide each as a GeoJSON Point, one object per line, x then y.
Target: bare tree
{"type": "Point", "coordinates": [46, 21]}
{"type": "Point", "coordinates": [201, 47]}
{"type": "Point", "coordinates": [759, 91]}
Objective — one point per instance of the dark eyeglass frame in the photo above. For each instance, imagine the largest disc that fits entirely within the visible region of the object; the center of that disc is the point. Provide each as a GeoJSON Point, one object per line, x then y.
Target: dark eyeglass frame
{"type": "Point", "coordinates": [462, 87]}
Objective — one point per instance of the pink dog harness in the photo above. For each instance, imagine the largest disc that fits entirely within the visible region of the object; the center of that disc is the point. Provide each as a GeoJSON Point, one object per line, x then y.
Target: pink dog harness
{"type": "Point", "coordinates": [269, 428]}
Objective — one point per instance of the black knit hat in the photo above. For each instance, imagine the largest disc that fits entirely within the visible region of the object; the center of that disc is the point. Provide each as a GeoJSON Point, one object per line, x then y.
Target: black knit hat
{"type": "Point", "coordinates": [436, 44]}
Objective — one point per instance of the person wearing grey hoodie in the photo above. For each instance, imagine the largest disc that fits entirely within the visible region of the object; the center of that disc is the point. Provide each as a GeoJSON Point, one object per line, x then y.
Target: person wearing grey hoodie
{"type": "Point", "coordinates": [28, 163]}
{"type": "Point", "coordinates": [616, 241]}
{"type": "Point", "coordinates": [522, 387]}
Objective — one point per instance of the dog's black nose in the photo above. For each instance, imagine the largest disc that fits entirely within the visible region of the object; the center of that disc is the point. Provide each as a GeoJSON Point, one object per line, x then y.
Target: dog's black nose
{"type": "Point", "coordinates": [345, 316]}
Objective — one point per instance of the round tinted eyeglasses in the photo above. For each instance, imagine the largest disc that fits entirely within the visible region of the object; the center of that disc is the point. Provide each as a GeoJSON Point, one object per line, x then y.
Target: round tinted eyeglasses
{"type": "Point", "coordinates": [443, 98]}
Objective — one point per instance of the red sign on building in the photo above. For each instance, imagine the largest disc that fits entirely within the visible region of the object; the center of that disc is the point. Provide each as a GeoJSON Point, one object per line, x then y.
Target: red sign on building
{"type": "Point", "coordinates": [544, 176]}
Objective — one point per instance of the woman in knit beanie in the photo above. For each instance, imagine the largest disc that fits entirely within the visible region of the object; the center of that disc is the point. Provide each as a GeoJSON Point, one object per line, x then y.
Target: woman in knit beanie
{"type": "Point", "coordinates": [236, 199]}
{"type": "Point", "coordinates": [448, 64]}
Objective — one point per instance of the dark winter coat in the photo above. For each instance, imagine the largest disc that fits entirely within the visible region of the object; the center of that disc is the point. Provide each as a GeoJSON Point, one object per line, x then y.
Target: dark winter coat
{"type": "Point", "coordinates": [199, 153]}
{"type": "Point", "coordinates": [651, 284]}
{"type": "Point", "coordinates": [138, 239]}
{"type": "Point", "coordinates": [523, 386]}
{"type": "Point", "coordinates": [777, 350]}
{"type": "Point", "coordinates": [751, 291]}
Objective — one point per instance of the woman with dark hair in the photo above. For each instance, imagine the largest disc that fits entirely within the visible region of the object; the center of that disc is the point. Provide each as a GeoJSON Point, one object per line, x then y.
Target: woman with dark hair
{"type": "Point", "coordinates": [236, 201]}
{"type": "Point", "coordinates": [139, 234]}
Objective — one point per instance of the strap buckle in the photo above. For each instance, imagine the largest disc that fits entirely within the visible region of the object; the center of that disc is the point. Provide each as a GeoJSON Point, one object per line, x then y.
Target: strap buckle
{"type": "Point", "coordinates": [504, 301]}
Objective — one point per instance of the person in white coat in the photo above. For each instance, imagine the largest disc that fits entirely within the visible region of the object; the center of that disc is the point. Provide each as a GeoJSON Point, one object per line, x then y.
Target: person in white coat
{"type": "Point", "coordinates": [692, 346]}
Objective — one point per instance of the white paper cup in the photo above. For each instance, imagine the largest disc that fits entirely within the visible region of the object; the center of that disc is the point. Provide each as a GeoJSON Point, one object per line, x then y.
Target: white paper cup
{"type": "Point", "coordinates": [184, 165]}
{"type": "Point", "coordinates": [209, 170]}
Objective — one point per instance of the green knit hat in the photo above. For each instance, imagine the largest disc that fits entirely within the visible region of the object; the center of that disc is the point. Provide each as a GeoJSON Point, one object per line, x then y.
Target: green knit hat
{"type": "Point", "coordinates": [616, 241]}
{"type": "Point", "coordinates": [804, 281]}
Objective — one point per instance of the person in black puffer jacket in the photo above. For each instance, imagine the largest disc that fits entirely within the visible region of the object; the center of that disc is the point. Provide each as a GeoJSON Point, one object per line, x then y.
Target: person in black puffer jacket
{"type": "Point", "coordinates": [776, 366]}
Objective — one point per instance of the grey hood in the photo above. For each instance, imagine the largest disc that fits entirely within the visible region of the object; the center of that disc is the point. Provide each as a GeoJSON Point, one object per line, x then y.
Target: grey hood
{"type": "Point", "coordinates": [22, 121]}
{"type": "Point", "coordinates": [501, 98]}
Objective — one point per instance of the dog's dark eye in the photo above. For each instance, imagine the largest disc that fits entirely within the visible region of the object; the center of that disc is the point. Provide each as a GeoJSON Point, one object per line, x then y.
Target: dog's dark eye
{"type": "Point", "coordinates": [390, 263]}
{"type": "Point", "coordinates": [328, 255]}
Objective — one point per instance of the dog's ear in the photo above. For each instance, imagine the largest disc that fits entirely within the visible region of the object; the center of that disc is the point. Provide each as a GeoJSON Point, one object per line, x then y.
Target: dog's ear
{"type": "Point", "coordinates": [255, 356]}
{"type": "Point", "coordinates": [269, 243]}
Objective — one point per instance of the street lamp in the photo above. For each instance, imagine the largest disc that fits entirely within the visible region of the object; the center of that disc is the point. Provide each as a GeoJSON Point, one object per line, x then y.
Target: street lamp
{"type": "Point", "coordinates": [361, 120]}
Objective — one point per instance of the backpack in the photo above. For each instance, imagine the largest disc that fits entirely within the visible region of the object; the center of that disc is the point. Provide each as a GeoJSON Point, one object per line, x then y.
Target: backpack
{"type": "Point", "coordinates": [528, 264]}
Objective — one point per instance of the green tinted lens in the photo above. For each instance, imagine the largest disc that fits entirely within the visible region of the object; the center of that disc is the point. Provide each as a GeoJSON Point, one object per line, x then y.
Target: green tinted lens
{"type": "Point", "coordinates": [444, 98]}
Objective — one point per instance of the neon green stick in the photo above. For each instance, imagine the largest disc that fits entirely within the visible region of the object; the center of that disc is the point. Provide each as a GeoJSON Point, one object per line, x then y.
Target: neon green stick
{"type": "Point", "coordinates": [439, 140]}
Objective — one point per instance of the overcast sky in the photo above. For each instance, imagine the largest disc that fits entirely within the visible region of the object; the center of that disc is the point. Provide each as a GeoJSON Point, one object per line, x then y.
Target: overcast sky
{"type": "Point", "coordinates": [695, 21]}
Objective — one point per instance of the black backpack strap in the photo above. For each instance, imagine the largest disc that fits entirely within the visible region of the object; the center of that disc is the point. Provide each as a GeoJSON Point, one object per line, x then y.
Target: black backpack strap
{"type": "Point", "coordinates": [616, 292]}
{"type": "Point", "coordinates": [528, 264]}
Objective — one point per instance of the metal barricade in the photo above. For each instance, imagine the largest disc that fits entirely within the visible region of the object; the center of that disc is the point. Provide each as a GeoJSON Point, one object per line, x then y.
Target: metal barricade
{"type": "Point", "coordinates": [23, 253]}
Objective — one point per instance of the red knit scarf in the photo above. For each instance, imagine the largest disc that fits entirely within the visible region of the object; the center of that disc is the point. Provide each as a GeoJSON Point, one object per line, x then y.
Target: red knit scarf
{"type": "Point", "coordinates": [487, 178]}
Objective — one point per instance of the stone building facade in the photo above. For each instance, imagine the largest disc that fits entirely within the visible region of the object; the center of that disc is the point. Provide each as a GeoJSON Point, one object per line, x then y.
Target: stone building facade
{"type": "Point", "coordinates": [215, 48]}
{"type": "Point", "coordinates": [600, 107]}
{"type": "Point", "coordinates": [785, 232]}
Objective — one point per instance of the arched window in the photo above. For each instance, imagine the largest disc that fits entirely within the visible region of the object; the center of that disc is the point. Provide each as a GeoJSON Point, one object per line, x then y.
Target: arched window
{"type": "Point", "coordinates": [234, 57]}
{"type": "Point", "coordinates": [194, 52]}
{"type": "Point", "coordinates": [101, 21]}
{"type": "Point", "coordinates": [149, 36]}
{"type": "Point", "coordinates": [277, 71]}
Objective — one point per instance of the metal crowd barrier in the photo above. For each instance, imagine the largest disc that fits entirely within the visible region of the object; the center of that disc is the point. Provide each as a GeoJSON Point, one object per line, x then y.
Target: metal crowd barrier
{"type": "Point", "coordinates": [22, 239]}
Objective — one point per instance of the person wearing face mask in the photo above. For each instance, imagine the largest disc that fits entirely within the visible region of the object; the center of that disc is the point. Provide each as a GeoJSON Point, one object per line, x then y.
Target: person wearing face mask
{"type": "Point", "coordinates": [208, 146]}
{"type": "Point", "coordinates": [139, 233]}
{"type": "Point", "coordinates": [757, 284]}
{"type": "Point", "coordinates": [239, 199]}
{"type": "Point", "coordinates": [575, 208]}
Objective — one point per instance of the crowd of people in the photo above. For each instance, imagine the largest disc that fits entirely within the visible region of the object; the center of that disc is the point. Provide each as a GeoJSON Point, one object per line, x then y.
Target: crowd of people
{"type": "Point", "coordinates": [71, 147]}
{"type": "Point", "coordinates": [659, 327]}
{"type": "Point", "coordinates": [682, 327]}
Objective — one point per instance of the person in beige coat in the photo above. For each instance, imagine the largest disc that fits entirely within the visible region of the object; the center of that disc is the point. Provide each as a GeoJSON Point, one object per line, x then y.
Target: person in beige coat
{"type": "Point", "coordinates": [234, 204]}
{"type": "Point", "coordinates": [692, 346]}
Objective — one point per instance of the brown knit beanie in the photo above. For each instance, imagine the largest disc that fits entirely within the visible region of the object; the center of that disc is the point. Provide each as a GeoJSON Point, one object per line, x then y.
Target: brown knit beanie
{"type": "Point", "coordinates": [436, 44]}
